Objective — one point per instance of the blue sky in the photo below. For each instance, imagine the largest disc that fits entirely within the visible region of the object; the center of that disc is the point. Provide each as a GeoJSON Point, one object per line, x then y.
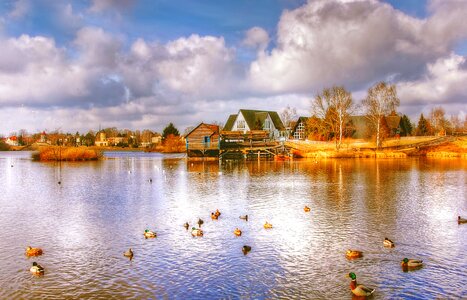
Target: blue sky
{"type": "Point", "coordinates": [144, 63]}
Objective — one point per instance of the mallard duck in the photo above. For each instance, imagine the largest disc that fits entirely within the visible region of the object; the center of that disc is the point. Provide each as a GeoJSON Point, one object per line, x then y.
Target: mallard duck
{"type": "Point", "coordinates": [149, 234]}
{"type": "Point", "coordinates": [33, 251]}
{"type": "Point", "coordinates": [128, 253]}
{"type": "Point", "coordinates": [186, 225]}
{"type": "Point", "coordinates": [245, 217]}
{"type": "Point", "coordinates": [246, 249]}
{"type": "Point", "coordinates": [200, 222]}
{"type": "Point", "coordinates": [411, 263]}
{"type": "Point", "coordinates": [353, 254]}
{"type": "Point", "coordinates": [359, 289]}
{"type": "Point", "coordinates": [36, 269]}
{"type": "Point", "coordinates": [237, 232]}
{"type": "Point", "coordinates": [214, 216]}
{"type": "Point", "coordinates": [267, 225]}
{"type": "Point", "coordinates": [461, 220]}
{"type": "Point", "coordinates": [217, 213]}
{"type": "Point", "coordinates": [306, 209]}
{"type": "Point", "coordinates": [388, 243]}
{"type": "Point", "coordinates": [196, 232]}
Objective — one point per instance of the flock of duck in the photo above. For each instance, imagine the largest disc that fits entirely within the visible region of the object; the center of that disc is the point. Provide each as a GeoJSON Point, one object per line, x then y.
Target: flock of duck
{"type": "Point", "coordinates": [357, 289]}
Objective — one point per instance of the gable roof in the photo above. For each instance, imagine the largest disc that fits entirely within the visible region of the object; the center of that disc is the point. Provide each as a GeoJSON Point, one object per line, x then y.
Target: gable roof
{"type": "Point", "coordinates": [300, 120]}
{"type": "Point", "coordinates": [251, 116]}
{"type": "Point", "coordinates": [230, 122]}
{"type": "Point", "coordinates": [214, 128]}
{"type": "Point", "coordinates": [393, 121]}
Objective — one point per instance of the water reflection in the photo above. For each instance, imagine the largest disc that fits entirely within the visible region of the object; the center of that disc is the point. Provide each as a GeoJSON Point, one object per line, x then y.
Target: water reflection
{"type": "Point", "coordinates": [102, 208]}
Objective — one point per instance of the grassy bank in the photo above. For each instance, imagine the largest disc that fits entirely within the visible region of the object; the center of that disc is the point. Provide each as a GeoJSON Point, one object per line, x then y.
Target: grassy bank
{"type": "Point", "coordinates": [56, 153]}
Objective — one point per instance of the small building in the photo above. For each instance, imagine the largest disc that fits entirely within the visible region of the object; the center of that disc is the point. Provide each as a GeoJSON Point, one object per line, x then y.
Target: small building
{"type": "Point", "coordinates": [157, 139]}
{"type": "Point", "coordinates": [250, 120]}
{"type": "Point", "coordinates": [12, 141]}
{"type": "Point", "coordinates": [299, 131]}
{"type": "Point", "coordinates": [203, 141]}
{"type": "Point", "coordinates": [101, 140]}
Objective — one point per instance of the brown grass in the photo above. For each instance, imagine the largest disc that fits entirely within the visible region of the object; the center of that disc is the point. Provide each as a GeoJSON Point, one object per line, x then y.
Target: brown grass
{"type": "Point", "coordinates": [55, 153]}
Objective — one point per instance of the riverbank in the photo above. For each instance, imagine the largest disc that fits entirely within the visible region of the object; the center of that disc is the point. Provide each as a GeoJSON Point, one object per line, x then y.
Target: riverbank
{"type": "Point", "coordinates": [58, 153]}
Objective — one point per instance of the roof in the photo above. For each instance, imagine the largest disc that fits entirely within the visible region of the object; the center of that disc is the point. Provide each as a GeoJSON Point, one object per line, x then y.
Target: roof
{"type": "Point", "coordinates": [230, 122]}
{"type": "Point", "coordinates": [253, 116]}
{"type": "Point", "coordinates": [393, 121]}
{"type": "Point", "coordinates": [212, 127]}
{"type": "Point", "coordinates": [300, 119]}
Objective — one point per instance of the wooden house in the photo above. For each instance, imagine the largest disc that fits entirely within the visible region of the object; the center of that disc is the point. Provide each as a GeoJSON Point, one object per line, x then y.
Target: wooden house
{"type": "Point", "coordinates": [203, 141]}
{"type": "Point", "coordinates": [256, 120]}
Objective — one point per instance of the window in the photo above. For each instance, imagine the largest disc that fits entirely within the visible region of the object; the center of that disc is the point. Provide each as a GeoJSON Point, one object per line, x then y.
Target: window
{"type": "Point", "coordinates": [267, 125]}
{"type": "Point", "coordinates": [241, 124]}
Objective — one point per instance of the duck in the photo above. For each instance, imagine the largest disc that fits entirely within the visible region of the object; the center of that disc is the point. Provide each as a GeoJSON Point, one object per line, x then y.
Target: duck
{"type": "Point", "coordinates": [245, 217]}
{"type": "Point", "coordinates": [217, 213]}
{"type": "Point", "coordinates": [186, 225]}
{"type": "Point", "coordinates": [359, 289]}
{"type": "Point", "coordinates": [461, 220]}
{"type": "Point", "coordinates": [388, 243]}
{"type": "Point", "coordinates": [237, 232]}
{"type": "Point", "coordinates": [196, 232]}
{"type": "Point", "coordinates": [246, 249]}
{"type": "Point", "coordinates": [33, 251]}
{"type": "Point", "coordinates": [353, 254]}
{"type": "Point", "coordinates": [411, 263]}
{"type": "Point", "coordinates": [267, 225]}
{"type": "Point", "coordinates": [36, 269]}
{"type": "Point", "coordinates": [149, 234]}
{"type": "Point", "coordinates": [306, 209]}
{"type": "Point", "coordinates": [214, 216]}
{"type": "Point", "coordinates": [128, 253]}
{"type": "Point", "coordinates": [200, 222]}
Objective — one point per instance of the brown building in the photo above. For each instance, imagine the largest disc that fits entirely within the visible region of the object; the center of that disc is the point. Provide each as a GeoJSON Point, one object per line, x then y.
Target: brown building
{"type": "Point", "coordinates": [203, 141]}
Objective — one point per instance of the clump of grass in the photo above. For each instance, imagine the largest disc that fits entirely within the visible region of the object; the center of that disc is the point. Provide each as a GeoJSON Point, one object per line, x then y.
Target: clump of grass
{"type": "Point", "coordinates": [66, 154]}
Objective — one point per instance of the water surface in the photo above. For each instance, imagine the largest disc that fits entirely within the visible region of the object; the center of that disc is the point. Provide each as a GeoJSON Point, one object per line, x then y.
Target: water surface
{"type": "Point", "coordinates": [100, 209]}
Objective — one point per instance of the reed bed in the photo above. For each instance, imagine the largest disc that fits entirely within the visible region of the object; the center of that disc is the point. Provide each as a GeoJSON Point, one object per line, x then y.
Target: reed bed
{"type": "Point", "coordinates": [66, 154]}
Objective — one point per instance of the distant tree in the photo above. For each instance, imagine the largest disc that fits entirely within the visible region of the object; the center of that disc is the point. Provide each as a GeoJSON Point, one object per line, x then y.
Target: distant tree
{"type": "Point", "coordinates": [4, 146]}
{"type": "Point", "coordinates": [381, 100]}
{"type": "Point", "coordinates": [423, 127]}
{"type": "Point", "coordinates": [333, 106]}
{"type": "Point", "coordinates": [406, 126]}
{"type": "Point", "coordinates": [438, 121]}
{"type": "Point", "coordinates": [289, 116]}
{"type": "Point", "coordinates": [170, 129]}
{"type": "Point", "coordinates": [89, 138]}
{"type": "Point", "coordinates": [173, 144]}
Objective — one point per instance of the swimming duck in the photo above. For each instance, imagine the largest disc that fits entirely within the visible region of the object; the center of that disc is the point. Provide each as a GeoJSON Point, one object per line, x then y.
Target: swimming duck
{"type": "Point", "coordinates": [186, 225]}
{"type": "Point", "coordinates": [217, 213]}
{"type": "Point", "coordinates": [237, 232]}
{"type": "Point", "coordinates": [196, 232]}
{"type": "Point", "coordinates": [149, 234]}
{"type": "Point", "coordinates": [214, 216]}
{"type": "Point", "coordinates": [246, 249]}
{"type": "Point", "coordinates": [461, 220]}
{"type": "Point", "coordinates": [128, 253]}
{"type": "Point", "coordinates": [306, 209]}
{"type": "Point", "coordinates": [36, 269]}
{"type": "Point", "coordinates": [267, 225]}
{"type": "Point", "coordinates": [353, 254]}
{"type": "Point", "coordinates": [388, 243]}
{"type": "Point", "coordinates": [411, 263]}
{"type": "Point", "coordinates": [245, 217]}
{"type": "Point", "coordinates": [33, 251]}
{"type": "Point", "coordinates": [359, 289]}
{"type": "Point", "coordinates": [200, 222]}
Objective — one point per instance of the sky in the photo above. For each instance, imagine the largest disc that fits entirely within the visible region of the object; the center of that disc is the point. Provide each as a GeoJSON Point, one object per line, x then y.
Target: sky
{"type": "Point", "coordinates": [140, 64]}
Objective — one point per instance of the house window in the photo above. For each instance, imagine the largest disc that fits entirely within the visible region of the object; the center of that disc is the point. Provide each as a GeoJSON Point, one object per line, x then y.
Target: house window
{"type": "Point", "coordinates": [241, 124]}
{"type": "Point", "coordinates": [206, 139]}
{"type": "Point", "coordinates": [267, 125]}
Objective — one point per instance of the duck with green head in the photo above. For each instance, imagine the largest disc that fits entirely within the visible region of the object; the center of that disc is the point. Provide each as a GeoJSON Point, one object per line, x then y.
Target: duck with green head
{"type": "Point", "coordinates": [149, 234]}
{"type": "Point", "coordinates": [411, 264]}
{"type": "Point", "coordinates": [359, 289]}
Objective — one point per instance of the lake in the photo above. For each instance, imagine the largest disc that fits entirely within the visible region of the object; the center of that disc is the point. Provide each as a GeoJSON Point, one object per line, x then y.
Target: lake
{"type": "Point", "coordinates": [102, 208]}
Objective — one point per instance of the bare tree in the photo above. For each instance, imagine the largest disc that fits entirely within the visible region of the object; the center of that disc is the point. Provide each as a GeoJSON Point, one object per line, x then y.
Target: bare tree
{"type": "Point", "coordinates": [381, 100]}
{"type": "Point", "coordinates": [438, 120]}
{"type": "Point", "coordinates": [333, 107]}
{"type": "Point", "coordinates": [288, 116]}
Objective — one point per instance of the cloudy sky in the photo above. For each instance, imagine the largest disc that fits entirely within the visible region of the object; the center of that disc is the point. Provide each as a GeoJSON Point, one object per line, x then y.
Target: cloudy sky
{"type": "Point", "coordinates": [78, 65]}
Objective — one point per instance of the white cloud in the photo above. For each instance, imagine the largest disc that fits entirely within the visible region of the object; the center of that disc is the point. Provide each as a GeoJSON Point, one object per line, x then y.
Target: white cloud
{"type": "Point", "coordinates": [256, 37]}
{"type": "Point", "coordinates": [354, 43]}
{"type": "Point", "coordinates": [20, 9]}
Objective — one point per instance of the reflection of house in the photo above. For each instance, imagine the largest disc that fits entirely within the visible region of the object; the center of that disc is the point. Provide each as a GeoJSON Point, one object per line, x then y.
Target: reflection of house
{"type": "Point", "coordinates": [203, 140]}
{"type": "Point", "coordinates": [12, 141]}
{"type": "Point", "coordinates": [249, 120]}
{"type": "Point", "coordinates": [101, 140]}
{"type": "Point", "coordinates": [299, 130]}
